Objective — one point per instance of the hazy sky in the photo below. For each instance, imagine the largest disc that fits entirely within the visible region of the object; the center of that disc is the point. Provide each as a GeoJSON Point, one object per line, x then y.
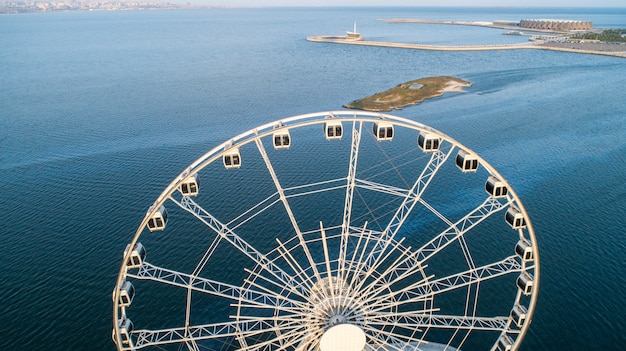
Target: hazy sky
{"type": "Point", "coordinates": [483, 3]}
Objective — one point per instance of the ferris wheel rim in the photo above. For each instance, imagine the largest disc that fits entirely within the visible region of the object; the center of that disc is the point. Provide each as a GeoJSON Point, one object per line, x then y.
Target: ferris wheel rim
{"type": "Point", "coordinates": [309, 119]}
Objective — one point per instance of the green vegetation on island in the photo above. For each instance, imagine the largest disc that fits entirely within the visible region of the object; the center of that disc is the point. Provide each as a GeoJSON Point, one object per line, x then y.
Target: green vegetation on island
{"type": "Point", "coordinates": [409, 93]}
{"type": "Point", "coordinates": [606, 36]}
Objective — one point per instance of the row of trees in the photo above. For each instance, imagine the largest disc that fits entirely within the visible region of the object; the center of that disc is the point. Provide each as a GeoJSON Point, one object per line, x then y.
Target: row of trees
{"type": "Point", "coordinates": [607, 36]}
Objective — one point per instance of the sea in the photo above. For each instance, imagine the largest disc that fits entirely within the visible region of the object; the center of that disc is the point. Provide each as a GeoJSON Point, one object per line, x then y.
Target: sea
{"type": "Point", "coordinates": [99, 111]}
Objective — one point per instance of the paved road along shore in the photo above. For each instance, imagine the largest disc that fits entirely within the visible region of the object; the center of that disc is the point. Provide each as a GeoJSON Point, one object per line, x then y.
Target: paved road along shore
{"type": "Point", "coordinates": [582, 48]}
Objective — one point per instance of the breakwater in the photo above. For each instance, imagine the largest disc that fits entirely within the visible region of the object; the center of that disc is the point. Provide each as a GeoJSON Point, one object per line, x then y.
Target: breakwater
{"type": "Point", "coordinates": [583, 48]}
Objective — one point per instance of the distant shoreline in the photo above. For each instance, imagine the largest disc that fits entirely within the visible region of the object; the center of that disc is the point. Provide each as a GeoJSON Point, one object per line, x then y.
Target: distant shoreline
{"type": "Point", "coordinates": [15, 7]}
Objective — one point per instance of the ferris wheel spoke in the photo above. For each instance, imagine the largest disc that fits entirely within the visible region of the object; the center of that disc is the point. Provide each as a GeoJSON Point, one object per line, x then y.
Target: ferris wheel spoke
{"type": "Point", "coordinates": [294, 265]}
{"type": "Point", "coordinates": [285, 202]}
{"type": "Point", "coordinates": [423, 290]}
{"type": "Point", "coordinates": [157, 337]}
{"type": "Point", "coordinates": [411, 198]}
{"type": "Point", "coordinates": [388, 340]}
{"type": "Point", "coordinates": [314, 188]}
{"type": "Point", "coordinates": [349, 197]}
{"type": "Point", "coordinates": [359, 264]}
{"type": "Point", "coordinates": [415, 262]}
{"type": "Point", "coordinates": [253, 211]}
{"type": "Point", "coordinates": [456, 230]}
{"type": "Point", "coordinates": [192, 345]}
{"type": "Point", "coordinates": [236, 241]}
{"type": "Point", "coordinates": [283, 337]}
{"type": "Point", "coordinates": [329, 271]}
{"type": "Point", "coordinates": [472, 290]}
{"type": "Point", "coordinates": [383, 276]}
{"type": "Point", "coordinates": [208, 253]}
{"type": "Point", "coordinates": [395, 247]}
{"type": "Point", "coordinates": [414, 320]}
{"type": "Point", "coordinates": [392, 317]}
{"type": "Point", "coordinates": [256, 276]}
{"type": "Point", "coordinates": [381, 188]}
{"type": "Point", "coordinates": [283, 319]}
{"type": "Point", "coordinates": [151, 272]}
{"type": "Point", "coordinates": [310, 341]}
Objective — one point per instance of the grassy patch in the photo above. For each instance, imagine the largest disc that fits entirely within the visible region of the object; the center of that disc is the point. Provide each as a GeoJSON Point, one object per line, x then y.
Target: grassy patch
{"type": "Point", "coordinates": [409, 93]}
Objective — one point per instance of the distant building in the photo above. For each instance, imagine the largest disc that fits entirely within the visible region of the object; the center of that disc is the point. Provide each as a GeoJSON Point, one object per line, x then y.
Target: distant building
{"type": "Point", "coordinates": [555, 24]}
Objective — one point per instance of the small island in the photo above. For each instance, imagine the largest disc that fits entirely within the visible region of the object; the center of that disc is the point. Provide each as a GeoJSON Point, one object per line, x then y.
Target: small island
{"type": "Point", "coordinates": [409, 93]}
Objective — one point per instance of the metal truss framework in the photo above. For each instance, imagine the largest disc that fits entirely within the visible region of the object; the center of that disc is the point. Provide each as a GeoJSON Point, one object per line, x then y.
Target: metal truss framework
{"type": "Point", "coordinates": [344, 273]}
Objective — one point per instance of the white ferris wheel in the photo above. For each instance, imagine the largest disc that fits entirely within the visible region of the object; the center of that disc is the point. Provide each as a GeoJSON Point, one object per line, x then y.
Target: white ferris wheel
{"type": "Point", "coordinates": [331, 231]}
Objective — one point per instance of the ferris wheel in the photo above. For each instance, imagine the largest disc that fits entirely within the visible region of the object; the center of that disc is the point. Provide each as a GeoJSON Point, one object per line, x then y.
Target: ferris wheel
{"type": "Point", "coordinates": [331, 231]}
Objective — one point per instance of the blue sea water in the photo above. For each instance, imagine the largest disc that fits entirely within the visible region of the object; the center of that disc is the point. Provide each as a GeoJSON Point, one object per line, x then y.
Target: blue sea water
{"type": "Point", "coordinates": [100, 110]}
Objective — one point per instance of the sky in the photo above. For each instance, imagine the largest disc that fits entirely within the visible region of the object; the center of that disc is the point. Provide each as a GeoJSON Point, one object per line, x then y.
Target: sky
{"type": "Point", "coordinates": [459, 3]}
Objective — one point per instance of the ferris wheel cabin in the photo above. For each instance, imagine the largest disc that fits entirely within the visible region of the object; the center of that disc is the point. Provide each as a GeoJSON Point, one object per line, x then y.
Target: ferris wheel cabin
{"type": "Point", "coordinates": [504, 343]}
{"type": "Point", "coordinates": [518, 314]}
{"type": "Point", "coordinates": [137, 255]}
{"type": "Point", "coordinates": [466, 162]}
{"type": "Point", "coordinates": [333, 130]}
{"type": "Point", "coordinates": [524, 250]}
{"type": "Point", "coordinates": [282, 139]}
{"type": "Point", "coordinates": [525, 283]}
{"type": "Point", "coordinates": [383, 131]}
{"type": "Point", "coordinates": [232, 159]}
{"type": "Point", "coordinates": [428, 142]}
{"type": "Point", "coordinates": [190, 186]}
{"type": "Point", "coordinates": [126, 329]}
{"type": "Point", "coordinates": [495, 187]}
{"type": "Point", "coordinates": [515, 218]}
{"type": "Point", "coordinates": [158, 219]}
{"type": "Point", "coordinates": [127, 293]}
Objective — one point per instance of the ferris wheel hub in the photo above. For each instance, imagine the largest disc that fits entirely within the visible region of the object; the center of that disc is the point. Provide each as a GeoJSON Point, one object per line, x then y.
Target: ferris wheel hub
{"type": "Point", "coordinates": [343, 337]}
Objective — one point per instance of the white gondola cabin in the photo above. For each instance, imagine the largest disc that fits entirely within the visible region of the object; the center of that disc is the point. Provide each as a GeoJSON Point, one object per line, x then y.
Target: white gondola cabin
{"type": "Point", "coordinates": [137, 255]}
{"type": "Point", "coordinates": [518, 314]}
{"type": "Point", "coordinates": [383, 131]}
{"type": "Point", "coordinates": [158, 220]}
{"type": "Point", "coordinates": [428, 142]}
{"type": "Point", "coordinates": [524, 250]}
{"type": "Point", "coordinates": [126, 295]}
{"type": "Point", "coordinates": [495, 187]}
{"type": "Point", "coordinates": [333, 130]}
{"type": "Point", "coordinates": [525, 283]}
{"type": "Point", "coordinates": [515, 218]}
{"type": "Point", "coordinates": [282, 139]}
{"type": "Point", "coordinates": [126, 329]}
{"type": "Point", "coordinates": [232, 159]}
{"type": "Point", "coordinates": [190, 186]}
{"type": "Point", "coordinates": [504, 343]}
{"type": "Point", "coordinates": [466, 162]}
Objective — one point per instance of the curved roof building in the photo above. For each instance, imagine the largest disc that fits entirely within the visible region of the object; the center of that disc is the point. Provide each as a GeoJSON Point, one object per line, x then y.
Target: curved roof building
{"type": "Point", "coordinates": [555, 24]}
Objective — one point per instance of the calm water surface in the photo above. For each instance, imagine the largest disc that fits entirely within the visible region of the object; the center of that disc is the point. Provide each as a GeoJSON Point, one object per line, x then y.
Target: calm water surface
{"type": "Point", "coordinates": [100, 110]}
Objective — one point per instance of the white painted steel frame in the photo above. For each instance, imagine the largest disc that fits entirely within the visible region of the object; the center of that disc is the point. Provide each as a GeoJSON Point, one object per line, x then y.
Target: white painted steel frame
{"type": "Point", "coordinates": [279, 310]}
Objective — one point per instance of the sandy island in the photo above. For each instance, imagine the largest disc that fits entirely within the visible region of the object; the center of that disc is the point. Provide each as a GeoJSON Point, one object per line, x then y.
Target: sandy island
{"type": "Point", "coordinates": [409, 93]}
